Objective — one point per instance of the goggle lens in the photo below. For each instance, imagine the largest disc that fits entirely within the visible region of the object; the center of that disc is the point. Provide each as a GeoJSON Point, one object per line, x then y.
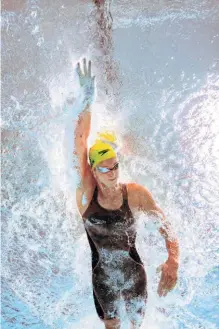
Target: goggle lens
{"type": "Point", "coordinates": [104, 170]}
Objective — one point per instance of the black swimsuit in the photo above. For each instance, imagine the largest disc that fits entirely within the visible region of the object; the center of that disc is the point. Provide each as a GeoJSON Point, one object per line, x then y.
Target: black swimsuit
{"type": "Point", "coordinates": [117, 268]}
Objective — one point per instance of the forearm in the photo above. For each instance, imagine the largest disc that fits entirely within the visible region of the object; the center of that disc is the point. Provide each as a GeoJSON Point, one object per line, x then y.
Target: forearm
{"type": "Point", "coordinates": [78, 113]}
{"type": "Point", "coordinates": [169, 270]}
{"type": "Point", "coordinates": [82, 128]}
{"type": "Point", "coordinates": [81, 133]}
{"type": "Point", "coordinates": [77, 129]}
{"type": "Point", "coordinates": [173, 250]}
{"type": "Point", "coordinates": [172, 243]}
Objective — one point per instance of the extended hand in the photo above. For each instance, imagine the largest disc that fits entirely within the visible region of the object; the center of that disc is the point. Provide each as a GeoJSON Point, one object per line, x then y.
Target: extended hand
{"type": "Point", "coordinates": [168, 278]}
{"type": "Point", "coordinates": [87, 82]}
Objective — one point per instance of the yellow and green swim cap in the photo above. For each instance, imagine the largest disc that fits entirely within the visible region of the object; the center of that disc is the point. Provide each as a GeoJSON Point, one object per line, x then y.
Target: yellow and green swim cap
{"type": "Point", "coordinates": [104, 148]}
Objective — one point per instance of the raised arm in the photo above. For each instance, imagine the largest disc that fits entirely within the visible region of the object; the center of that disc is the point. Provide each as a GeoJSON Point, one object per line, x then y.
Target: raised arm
{"type": "Point", "coordinates": [79, 110]}
{"type": "Point", "coordinates": [81, 134]}
{"type": "Point", "coordinates": [169, 269]}
{"type": "Point", "coordinates": [83, 124]}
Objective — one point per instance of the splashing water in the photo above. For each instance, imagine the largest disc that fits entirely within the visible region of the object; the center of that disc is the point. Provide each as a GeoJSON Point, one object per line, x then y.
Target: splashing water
{"type": "Point", "coordinates": [165, 56]}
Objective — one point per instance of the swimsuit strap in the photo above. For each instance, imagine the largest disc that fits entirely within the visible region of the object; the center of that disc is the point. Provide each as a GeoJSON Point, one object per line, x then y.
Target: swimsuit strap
{"type": "Point", "coordinates": [95, 194]}
{"type": "Point", "coordinates": [125, 195]}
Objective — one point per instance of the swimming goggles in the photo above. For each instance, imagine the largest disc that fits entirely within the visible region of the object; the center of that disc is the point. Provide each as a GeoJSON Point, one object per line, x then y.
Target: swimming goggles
{"type": "Point", "coordinates": [105, 170]}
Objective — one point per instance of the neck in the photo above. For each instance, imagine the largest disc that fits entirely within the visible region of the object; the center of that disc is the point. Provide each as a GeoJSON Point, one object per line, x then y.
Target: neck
{"type": "Point", "coordinates": [106, 192]}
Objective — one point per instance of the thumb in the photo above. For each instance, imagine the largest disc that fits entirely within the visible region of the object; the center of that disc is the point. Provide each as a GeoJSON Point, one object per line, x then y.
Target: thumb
{"type": "Point", "coordinates": [93, 80]}
{"type": "Point", "coordinates": [159, 269]}
{"type": "Point", "coordinates": [77, 69]}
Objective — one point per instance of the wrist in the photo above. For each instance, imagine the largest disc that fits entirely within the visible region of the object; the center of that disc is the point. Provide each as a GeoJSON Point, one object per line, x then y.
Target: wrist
{"type": "Point", "coordinates": [173, 261]}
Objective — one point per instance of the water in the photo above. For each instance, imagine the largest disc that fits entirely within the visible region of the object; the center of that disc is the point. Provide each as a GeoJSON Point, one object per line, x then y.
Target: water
{"type": "Point", "coordinates": [158, 87]}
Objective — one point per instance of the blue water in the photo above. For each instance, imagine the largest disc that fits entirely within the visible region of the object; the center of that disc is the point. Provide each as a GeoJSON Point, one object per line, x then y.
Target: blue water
{"type": "Point", "coordinates": [158, 89]}
{"type": "Point", "coordinates": [202, 312]}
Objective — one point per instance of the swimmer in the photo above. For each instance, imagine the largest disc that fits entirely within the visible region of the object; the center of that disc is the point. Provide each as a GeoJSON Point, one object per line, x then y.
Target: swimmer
{"type": "Point", "coordinates": [110, 210]}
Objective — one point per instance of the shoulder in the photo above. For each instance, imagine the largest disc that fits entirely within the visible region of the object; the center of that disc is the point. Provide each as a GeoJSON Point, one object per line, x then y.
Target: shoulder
{"type": "Point", "coordinates": [141, 199]}
{"type": "Point", "coordinates": [139, 196]}
{"type": "Point", "coordinates": [84, 192]}
{"type": "Point", "coordinates": [134, 188]}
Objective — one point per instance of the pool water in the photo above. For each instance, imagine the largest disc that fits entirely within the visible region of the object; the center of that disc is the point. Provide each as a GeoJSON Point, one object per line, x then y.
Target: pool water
{"type": "Point", "coordinates": [157, 75]}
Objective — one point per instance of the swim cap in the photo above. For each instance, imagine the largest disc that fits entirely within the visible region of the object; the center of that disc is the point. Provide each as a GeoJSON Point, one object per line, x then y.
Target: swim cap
{"type": "Point", "coordinates": [104, 148]}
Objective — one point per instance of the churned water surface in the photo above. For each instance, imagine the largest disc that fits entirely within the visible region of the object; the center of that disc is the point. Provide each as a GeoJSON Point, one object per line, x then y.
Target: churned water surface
{"type": "Point", "coordinates": [157, 71]}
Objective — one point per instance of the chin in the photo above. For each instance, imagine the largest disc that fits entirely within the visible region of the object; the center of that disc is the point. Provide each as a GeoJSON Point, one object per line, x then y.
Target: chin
{"type": "Point", "coordinates": [112, 182]}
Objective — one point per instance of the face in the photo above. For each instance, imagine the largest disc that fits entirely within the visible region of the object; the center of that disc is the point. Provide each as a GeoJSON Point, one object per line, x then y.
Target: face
{"type": "Point", "coordinates": [110, 178]}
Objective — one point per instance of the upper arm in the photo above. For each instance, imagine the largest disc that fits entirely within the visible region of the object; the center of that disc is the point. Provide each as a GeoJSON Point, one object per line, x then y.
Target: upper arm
{"type": "Point", "coordinates": [148, 205]}
{"type": "Point", "coordinates": [86, 179]}
{"type": "Point", "coordinates": [80, 150]}
{"type": "Point", "coordinates": [145, 201]}
{"type": "Point", "coordinates": [86, 182]}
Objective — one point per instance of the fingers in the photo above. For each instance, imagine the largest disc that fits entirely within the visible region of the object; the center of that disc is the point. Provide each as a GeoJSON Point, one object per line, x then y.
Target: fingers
{"type": "Point", "coordinates": [159, 269]}
{"type": "Point", "coordinates": [93, 81]}
{"type": "Point", "coordinates": [162, 290]}
{"type": "Point", "coordinates": [166, 284]}
{"type": "Point", "coordinates": [89, 69]}
{"type": "Point", "coordinates": [172, 285]}
{"type": "Point", "coordinates": [78, 69]}
{"type": "Point", "coordinates": [161, 287]}
{"type": "Point", "coordinates": [86, 69]}
{"type": "Point", "coordinates": [85, 66]}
